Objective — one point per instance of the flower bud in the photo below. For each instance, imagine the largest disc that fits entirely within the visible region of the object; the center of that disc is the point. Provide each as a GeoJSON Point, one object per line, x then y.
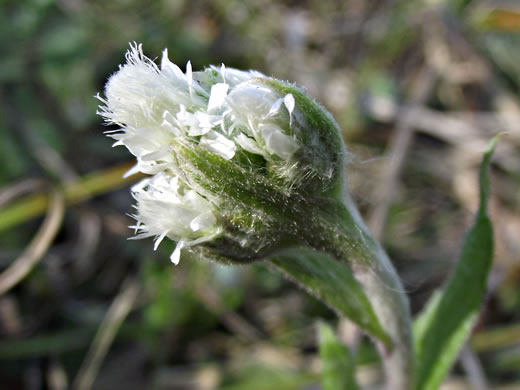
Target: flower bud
{"type": "Point", "coordinates": [237, 158]}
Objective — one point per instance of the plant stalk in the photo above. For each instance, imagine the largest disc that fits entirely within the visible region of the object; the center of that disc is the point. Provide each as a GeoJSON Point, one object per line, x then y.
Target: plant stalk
{"type": "Point", "coordinates": [345, 237]}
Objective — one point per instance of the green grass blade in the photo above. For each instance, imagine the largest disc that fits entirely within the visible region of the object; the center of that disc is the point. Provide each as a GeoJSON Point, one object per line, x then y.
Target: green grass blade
{"type": "Point", "coordinates": [333, 283]}
{"type": "Point", "coordinates": [338, 366]}
{"type": "Point", "coordinates": [86, 187]}
{"type": "Point", "coordinates": [444, 326]}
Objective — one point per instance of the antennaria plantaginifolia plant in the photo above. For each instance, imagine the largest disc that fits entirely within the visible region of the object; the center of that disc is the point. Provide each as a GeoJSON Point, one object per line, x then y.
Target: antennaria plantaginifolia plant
{"type": "Point", "coordinates": [247, 168]}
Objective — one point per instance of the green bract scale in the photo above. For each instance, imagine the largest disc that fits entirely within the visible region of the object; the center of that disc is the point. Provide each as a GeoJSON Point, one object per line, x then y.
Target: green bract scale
{"type": "Point", "coordinates": [236, 159]}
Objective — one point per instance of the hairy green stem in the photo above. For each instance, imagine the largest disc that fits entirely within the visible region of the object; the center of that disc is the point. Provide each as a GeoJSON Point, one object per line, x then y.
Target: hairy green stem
{"type": "Point", "coordinates": [346, 238]}
{"type": "Point", "coordinates": [386, 292]}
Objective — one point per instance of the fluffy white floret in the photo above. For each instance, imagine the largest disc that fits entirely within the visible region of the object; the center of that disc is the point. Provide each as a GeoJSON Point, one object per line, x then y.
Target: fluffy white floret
{"type": "Point", "coordinates": [167, 208]}
{"type": "Point", "coordinates": [157, 107]}
{"type": "Point", "coordinates": [260, 110]}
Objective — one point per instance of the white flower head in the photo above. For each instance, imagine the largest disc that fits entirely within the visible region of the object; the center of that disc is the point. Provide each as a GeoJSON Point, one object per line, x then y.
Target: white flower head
{"type": "Point", "coordinates": [232, 115]}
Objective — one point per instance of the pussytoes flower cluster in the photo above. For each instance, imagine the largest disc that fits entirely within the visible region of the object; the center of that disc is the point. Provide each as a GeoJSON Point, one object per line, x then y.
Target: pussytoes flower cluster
{"type": "Point", "coordinates": [249, 125]}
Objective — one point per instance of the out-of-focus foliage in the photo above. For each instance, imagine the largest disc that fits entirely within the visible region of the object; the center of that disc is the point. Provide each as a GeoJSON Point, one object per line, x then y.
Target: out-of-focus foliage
{"type": "Point", "coordinates": [338, 366]}
{"type": "Point", "coordinates": [446, 73]}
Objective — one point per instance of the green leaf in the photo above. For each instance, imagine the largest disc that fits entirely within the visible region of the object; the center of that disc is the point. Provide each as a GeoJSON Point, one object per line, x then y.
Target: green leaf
{"type": "Point", "coordinates": [333, 283]}
{"type": "Point", "coordinates": [445, 324]}
{"type": "Point", "coordinates": [338, 365]}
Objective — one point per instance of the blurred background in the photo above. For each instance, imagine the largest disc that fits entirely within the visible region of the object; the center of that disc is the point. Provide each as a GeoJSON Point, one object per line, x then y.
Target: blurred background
{"type": "Point", "coordinates": [418, 88]}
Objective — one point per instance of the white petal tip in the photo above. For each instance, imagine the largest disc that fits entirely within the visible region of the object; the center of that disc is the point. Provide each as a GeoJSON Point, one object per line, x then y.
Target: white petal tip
{"type": "Point", "coordinates": [289, 102]}
{"type": "Point", "coordinates": [217, 96]}
{"type": "Point", "coordinates": [159, 240]}
{"type": "Point", "coordinates": [176, 255]}
{"type": "Point", "coordinates": [131, 171]}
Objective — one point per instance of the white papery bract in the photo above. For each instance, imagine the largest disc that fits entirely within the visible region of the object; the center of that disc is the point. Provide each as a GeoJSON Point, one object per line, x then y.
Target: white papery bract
{"type": "Point", "coordinates": [219, 110]}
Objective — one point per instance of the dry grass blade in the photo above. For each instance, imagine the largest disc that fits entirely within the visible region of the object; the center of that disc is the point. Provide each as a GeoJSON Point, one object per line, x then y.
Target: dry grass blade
{"type": "Point", "coordinates": [467, 131]}
{"type": "Point", "coordinates": [231, 320]}
{"type": "Point", "coordinates": [56, 375]}
{"type": "Point", "coordinates": [119, 309]}
{"type": "Point", "coordinates": [38, 245]}
{"type": "Point", "coordinates": [18, 189]}
{"type": "Point", "coordinates": [489, 339]}
{"type": "Point", "coordinates": [397, 152]}
{"type": "Point", "coordinates": [473, 368]}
